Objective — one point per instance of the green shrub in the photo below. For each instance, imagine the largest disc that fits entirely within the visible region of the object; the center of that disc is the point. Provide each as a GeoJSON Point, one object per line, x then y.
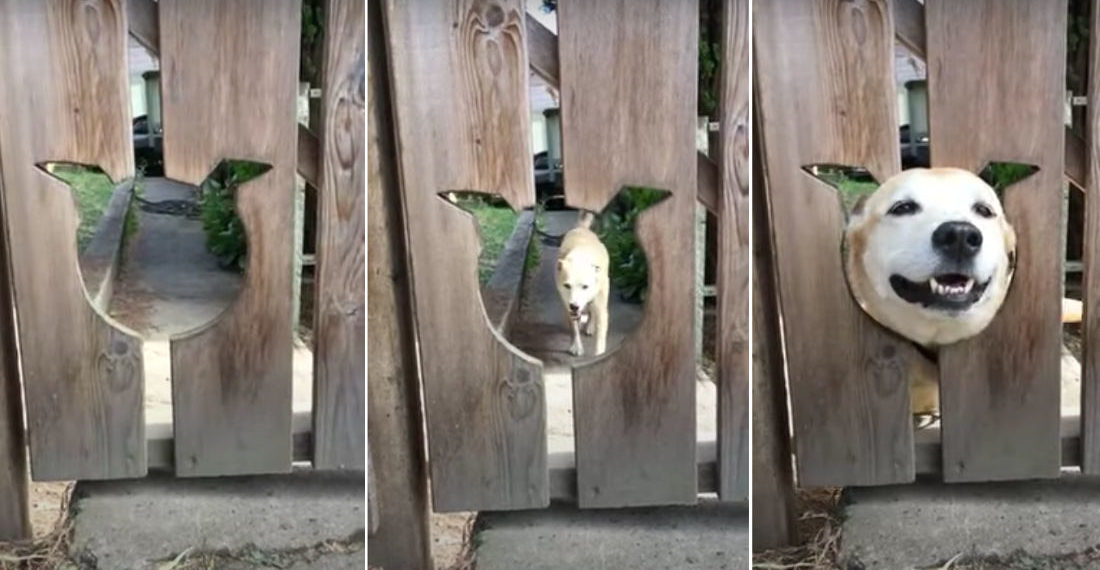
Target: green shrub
{"type": "Point", "coordinates": [616, 228]}
{"type": "Point", "coordinates": [225, 235]}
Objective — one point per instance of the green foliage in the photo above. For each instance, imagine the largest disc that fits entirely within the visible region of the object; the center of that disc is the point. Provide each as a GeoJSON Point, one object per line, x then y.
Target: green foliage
{"type": "Point", "coordinates": [629, 273]}
{"type": "Point", "coordinates": [1077, 41]}
{"type": "Point", "coordinates": [848, 186]}
{"type": "Point", "coordinates": [92, 191]}
{"type": "Point", "coordinates": [495, 222]}
{"type": "Point", "coordinates": [313, 18]}
{"type": "Point", "coordinates": [225, 235]}
{"type": "Point", "coordinates": [1001, 175]}
{"type": "Point", "coordinates": [710, 57]}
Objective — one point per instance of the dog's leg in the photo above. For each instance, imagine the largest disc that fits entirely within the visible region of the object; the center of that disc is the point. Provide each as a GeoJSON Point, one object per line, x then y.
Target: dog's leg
{"type": "Point", "coordinates": [578, 347]}
{"type": "Point", "coordinates": [599, 314]}
{"type": "Point", "coordinates": [589, 322]}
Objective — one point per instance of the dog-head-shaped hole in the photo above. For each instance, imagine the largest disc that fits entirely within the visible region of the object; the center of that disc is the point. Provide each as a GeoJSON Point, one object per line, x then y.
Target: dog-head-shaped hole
{"type": "Point", "coordinates": [157, 256]}
{"type": "Point", "coordinates": [528, 282]}
{"type": "Point", "coordinates": [929, 253]}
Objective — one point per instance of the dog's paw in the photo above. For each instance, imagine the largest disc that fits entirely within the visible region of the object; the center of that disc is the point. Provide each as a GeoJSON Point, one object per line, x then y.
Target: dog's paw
{"type": "Point", "coordinates": [589, 329]}
{"type": "Point", "coordinates": [577, 349]}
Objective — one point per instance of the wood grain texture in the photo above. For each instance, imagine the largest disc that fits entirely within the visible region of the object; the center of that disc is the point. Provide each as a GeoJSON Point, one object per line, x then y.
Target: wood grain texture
{"type": "Point", "coordinates": [999, 391]}
{"type": "Point", "coordinates": [67, 99]}
{"type": "Point", "coordinates": [773, 499]}
{"type": "Point", "coordinates": [339, 377]}
{"type": "Point", "coordinates": [395, 431]}
{"type": "Point", "coordinates": [15, 520]}
{"type": "Point", "coordinates": [309, 156]}
{"type": "Point", "coordinates": [142, 15]}
{"type": "Point", "coordinates": [848, 380]}
{"type": "Point", "coordinates": [229, 74]}
{"type": "Point", "coordinates": [1090, 377]}
{"type": "Point", "coordinates": [909, 18]}
{"type": "Point", "coordinates": [734, 256]}
{"type": "Point", "coordinates": [542, 52]}
{"type": "Point", "coordinates": [459, 74]}
{"type": "Point", "coordinates": [628, 118]}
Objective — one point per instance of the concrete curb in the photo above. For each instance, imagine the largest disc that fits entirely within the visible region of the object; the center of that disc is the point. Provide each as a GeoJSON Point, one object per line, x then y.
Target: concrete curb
{"type": "Point", "coordinates": [500, 295]}
{"type": "Point", "coordinates": [99, 260]}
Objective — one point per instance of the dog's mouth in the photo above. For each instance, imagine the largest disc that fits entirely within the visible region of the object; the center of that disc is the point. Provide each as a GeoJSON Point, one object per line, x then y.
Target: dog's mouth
{"type": "Point", "coordinates": [945, 292]}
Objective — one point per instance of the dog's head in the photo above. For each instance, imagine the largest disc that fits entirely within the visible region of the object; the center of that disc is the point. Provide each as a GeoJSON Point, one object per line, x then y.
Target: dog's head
{"type": "Point", "coordinates": [577, 277]}
{"type": "Point", "coordinates": [930, 254]}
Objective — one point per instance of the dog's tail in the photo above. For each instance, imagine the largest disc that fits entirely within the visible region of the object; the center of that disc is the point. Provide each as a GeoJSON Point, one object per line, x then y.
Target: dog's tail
{"type": "Point", "coordinates": [585, 219]}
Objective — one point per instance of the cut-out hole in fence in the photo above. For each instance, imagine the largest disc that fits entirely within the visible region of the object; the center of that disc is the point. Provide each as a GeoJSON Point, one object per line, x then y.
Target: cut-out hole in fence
{"type": "Point", "coordinates": [158, 256]}
{"type": "Point", "coordinates": [518, 272]}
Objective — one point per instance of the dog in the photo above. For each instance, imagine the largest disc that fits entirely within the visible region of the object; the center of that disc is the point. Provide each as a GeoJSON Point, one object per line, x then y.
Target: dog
{"type": "Point", "coordinates": [930, 255]}
{"type": "Point", "coordinates": [583, 283]}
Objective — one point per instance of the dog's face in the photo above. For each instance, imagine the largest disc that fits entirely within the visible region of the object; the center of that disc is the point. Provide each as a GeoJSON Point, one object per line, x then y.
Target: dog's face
{"type": "Point", "coordinates": [577, 278]}
{"type": "Point", "coordinates": [930, 254]}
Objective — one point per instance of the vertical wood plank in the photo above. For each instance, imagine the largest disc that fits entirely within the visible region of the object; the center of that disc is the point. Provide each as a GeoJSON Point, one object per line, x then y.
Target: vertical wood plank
{"type": "Point", "coordinates": [229, 73]}
{"type": "Point", "coordinates": [15, 520]}
{"type": "Point", "coordinates": [734, 256]}
{"type": "Point", "coordinates": [628, 118]}
{"type": "Point", "coordinates": [65, 97]}
{"type": "Point", "coordinates": [339, 377]}
{"type": "Point", "coordinates": [1000, 391]}
{"type": "Point", "coordinates": [824, 79]}
{"type": "Point", "coordinates": [1090, 379]}
{"type": "Point", "coordinates": [459, 76]}
{"type": "Point", "coordinates": [394, 422]}
{"type": "Point", "coordinates": [773, 514]}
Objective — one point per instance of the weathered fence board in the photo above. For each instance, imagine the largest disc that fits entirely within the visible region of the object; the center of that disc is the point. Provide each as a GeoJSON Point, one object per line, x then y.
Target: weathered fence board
{"type": "Point", "coordinates": [394, 423]}
{"type": "Point", "coordinates": [1000, 390]}
{"type": "Point", "coordinates": [628, 116]}
{"type": "Point", "coordinates": [14, 507]}
{"type": "Point", "coordinates": [734, 256]}
{"type": "Point", "coordinates": [773, 512]}
{"type": "Point", "coordinates": [229, 72]}
{"type": "Point", "coordinates": [826, 94]}
{"type": "Point", "coordinates": [459, 74]}
{"type": "Point", "coordinates": [65, 97]}
{"type": "Point", "coordinates": [1090, 377]}
{"type": "Point", "coordinates": [339, 392]}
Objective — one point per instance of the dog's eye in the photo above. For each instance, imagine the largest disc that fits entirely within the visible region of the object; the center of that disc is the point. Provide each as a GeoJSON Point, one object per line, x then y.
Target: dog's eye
{"type": "Point", "coordinates": [567, 286]}
{"type": "Point", "coordinates": [983, 210]}
{"type": "Point", "coordinates": [904, 208]}
{"type": "Point", "coordinates": [584, 287]}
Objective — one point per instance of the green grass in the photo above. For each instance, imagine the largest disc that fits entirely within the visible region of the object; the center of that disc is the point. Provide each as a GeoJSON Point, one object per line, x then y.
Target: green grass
{"type": "Point", "coordinates": [92, 191]}
{"type": "Point", "coordinates": [850, 189]}
{"type": "Point", "coordinates": [496, 224]}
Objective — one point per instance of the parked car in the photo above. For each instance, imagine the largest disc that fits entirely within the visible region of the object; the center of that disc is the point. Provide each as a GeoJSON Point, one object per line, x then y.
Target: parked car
{"type": "Point", "coordinates": [913, 153]}
{"type": "Point", "coordinates": [548, 181]}
{"type": "Point", "coordinates": [148, 147]}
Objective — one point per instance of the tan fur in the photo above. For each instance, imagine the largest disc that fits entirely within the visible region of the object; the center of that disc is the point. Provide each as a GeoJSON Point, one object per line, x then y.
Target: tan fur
{"type": "Point", "coordinates": [923, 374]}
{"type": "Point", "coordinates": [583, 263]}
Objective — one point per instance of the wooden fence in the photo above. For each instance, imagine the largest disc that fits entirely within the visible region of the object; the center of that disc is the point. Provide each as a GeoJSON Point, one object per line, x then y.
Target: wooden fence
{"type": "Point", "coordinates": [230, 76]}
{"type": "Point", "coordinates": [825, 93]}
{"type": "Point", "coordinates": [456, 91]}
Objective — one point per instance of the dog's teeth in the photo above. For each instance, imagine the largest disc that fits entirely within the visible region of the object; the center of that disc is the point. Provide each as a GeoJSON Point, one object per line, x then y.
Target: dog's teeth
{"type": "Point", "coordinates": [969, 285]}
{"type": "Point", "coordinates": [934, 284]}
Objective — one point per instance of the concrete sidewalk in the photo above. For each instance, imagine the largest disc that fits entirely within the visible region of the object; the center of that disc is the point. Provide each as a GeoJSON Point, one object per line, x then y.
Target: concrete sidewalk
{"type": "Point", "coordinates": [301, 520]}
{"type": "Point", "coordinates": [1023, 524]}
{"type": "Point", "coordinates": [708, 536]}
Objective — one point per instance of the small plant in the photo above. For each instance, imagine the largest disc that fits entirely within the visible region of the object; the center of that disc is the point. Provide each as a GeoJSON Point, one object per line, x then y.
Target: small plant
{"type": "Point", "coordinates": [616, 228]}
{"type": "Point", "coordinates": [225, 235]}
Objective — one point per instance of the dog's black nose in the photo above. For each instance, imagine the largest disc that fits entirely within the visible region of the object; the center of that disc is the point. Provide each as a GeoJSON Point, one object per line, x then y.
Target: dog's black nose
{"type": "Point", "coordinates": [574, 307]}
{"type": "Point", "coordinates": [957, 240]}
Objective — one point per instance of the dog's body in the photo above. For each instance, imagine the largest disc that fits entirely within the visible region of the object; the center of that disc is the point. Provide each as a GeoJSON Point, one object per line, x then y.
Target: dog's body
{"type": "Point", "coordinates": [930, 255]}
{"type": "Point", "coordinates": [582, 279]}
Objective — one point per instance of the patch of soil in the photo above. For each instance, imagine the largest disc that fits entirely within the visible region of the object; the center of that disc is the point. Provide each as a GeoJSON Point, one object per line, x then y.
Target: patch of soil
{"type": "Point", "coordinates": [818, 528]}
